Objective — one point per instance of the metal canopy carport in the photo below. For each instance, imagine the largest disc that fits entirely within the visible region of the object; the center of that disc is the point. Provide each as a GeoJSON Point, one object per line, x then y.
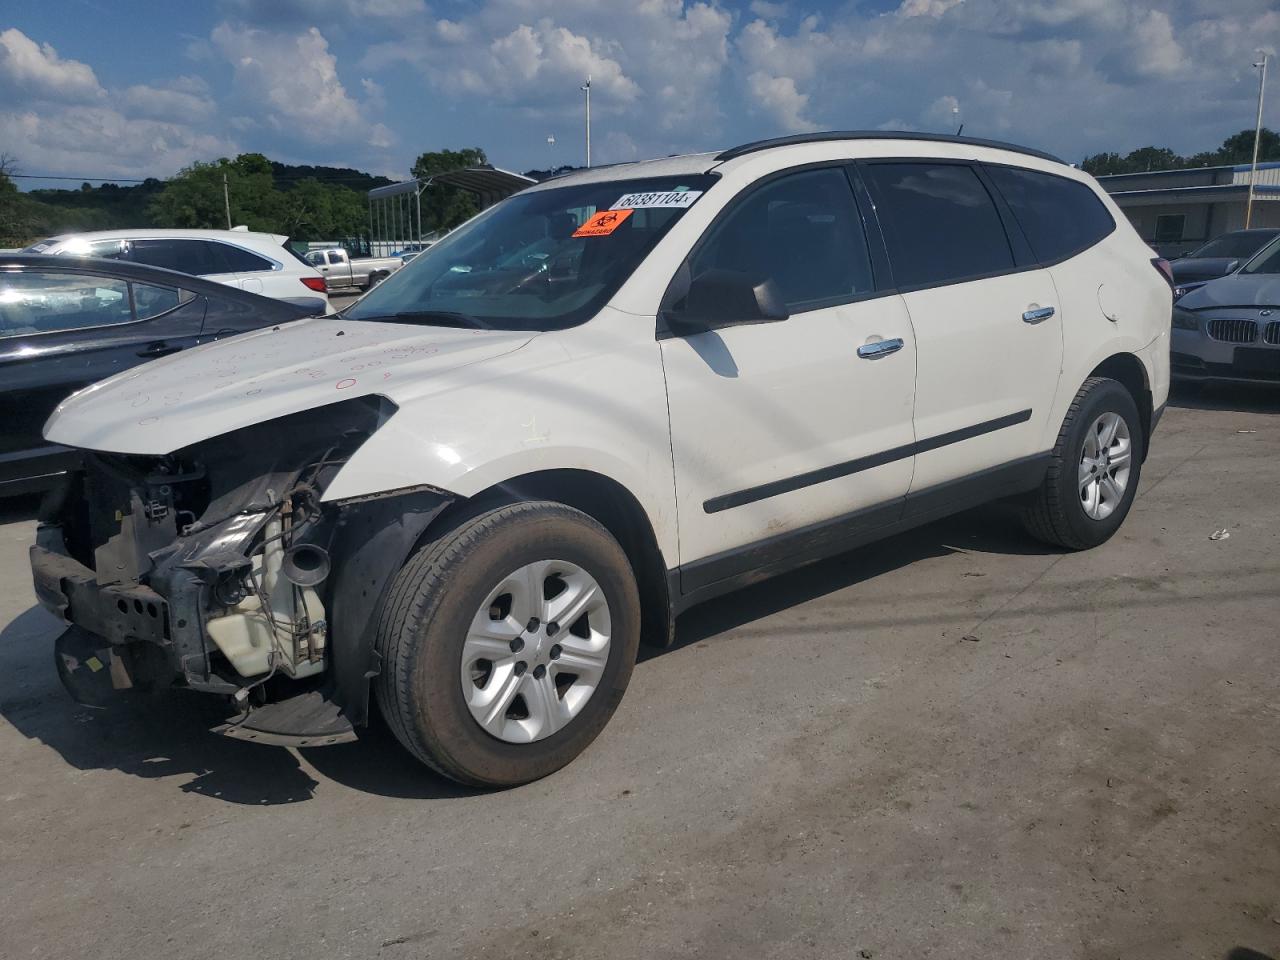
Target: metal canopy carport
{"type": "Point", "coordinates": [395, 211]}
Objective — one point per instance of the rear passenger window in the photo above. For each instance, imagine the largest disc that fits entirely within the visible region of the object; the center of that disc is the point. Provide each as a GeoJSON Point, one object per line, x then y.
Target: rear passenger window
{"type": "Point", "coordinates": [802, 231]}
{"type": "Point", "coordinates": [196, 257]}
{"type": "Point", "coordinates": [1059, 216]}
{"type": "Point", "coordinates": [939, 223]}
{"type": "Point", "coordinates": [242, 261]}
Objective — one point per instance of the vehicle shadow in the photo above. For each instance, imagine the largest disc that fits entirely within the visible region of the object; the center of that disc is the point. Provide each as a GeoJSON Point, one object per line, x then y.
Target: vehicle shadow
{"type": "Point", "coordinates": [989, 529]}
{"type": "Point", "coordinates": [1238, 397]}
{"type": "Point", "coordinates": [19, 509]}
{"type": "Point", "coordinates": [168, 735]}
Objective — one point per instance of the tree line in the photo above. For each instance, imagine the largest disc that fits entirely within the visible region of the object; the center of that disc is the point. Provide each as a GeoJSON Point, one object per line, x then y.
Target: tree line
{"type": "Point", "coordinates": [1237, 148]}
{"type": "Point", "coordinates": [302, 202]}
{"type": "Point", "coordinates": [328, 203]}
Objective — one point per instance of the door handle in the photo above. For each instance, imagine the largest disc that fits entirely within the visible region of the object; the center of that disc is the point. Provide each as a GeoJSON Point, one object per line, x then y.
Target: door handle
{"type": "Point", "coordinates": [158, 349]}
{"type": "Point", "coordinates": [881, 348]}
{"type": "Point", "coordinates": [1037, 315]}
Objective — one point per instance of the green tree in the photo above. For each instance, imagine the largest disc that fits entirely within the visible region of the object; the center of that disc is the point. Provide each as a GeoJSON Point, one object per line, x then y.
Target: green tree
{"type": "Point", "coordinates": [1104, 164]}
{"type": "Point", "coordinates": [444, 207]}
{"type": "Point", "coordinates": [194, 198]}
{"type": "Point", "coordinates": [17, 213]}
{"type": "Point", "coordinates": [1238, 148]}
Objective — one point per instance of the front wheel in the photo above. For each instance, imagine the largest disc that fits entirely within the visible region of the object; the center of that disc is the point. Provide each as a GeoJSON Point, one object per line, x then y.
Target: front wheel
{"type": "Point", "coordinates": [1094, 471]}
{"type": "Point", "coordinates": [508, 642]}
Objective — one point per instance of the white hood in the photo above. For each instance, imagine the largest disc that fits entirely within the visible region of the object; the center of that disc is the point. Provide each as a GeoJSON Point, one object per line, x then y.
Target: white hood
{"type": "Point", "coordinates": [171, 403]}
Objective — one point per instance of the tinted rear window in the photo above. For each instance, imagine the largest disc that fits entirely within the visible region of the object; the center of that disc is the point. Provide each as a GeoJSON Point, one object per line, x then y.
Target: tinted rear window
{"type": "Point", "coordinates": [1060, 217]}
{"type": "Point", "coordinates": [939, 222]}
{"type": "Point", "coordinates": [196, 257]}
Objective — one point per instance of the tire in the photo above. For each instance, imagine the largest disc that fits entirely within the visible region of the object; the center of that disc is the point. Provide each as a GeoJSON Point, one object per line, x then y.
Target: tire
{"type": "Point", "coordinates": [1059, 513]}
{"type": "Point", "coordinates": [374, 280]}
{"type": "Point", "coordinates": [427, 629]}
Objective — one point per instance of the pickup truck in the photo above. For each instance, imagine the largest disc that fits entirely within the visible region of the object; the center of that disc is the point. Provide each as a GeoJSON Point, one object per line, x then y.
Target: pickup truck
{"type": "Point", "coordinates": [341, 272]}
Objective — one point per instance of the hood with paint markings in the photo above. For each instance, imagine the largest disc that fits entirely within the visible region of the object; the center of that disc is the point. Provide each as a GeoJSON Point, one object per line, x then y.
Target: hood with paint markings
{"type": "Point", "coordinates": [183, 399]}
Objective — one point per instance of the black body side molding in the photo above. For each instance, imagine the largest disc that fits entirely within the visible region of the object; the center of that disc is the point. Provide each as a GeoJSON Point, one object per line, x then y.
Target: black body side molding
{"type": "Point", "coordinates": [788, 484]}
{"type": "Point", "coordinates": [724, 572]}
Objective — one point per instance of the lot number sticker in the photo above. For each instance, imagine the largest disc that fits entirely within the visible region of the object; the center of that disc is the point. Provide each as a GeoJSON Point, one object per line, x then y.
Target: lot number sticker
{"type": "Point", "coordinates": [602, 224]}
{"type": "Point", "coordinates": [679, 199]}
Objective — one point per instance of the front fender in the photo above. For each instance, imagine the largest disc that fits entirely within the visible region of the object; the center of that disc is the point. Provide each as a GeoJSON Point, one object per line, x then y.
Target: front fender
{"type": "Point", "coordinates": [580, 401]}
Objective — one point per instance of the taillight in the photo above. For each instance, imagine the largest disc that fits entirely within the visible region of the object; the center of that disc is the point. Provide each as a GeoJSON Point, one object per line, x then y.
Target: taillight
{"type": "Point", "coordinates": [1166, 270]}
{"type": "Point", "coordinates": [314, 283]}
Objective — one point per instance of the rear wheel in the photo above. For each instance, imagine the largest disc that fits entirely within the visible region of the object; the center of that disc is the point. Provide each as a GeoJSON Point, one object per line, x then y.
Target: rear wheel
{"type": "Point", "coordinates": [1094, 472]}
{"type": "Point", "coordinates": [507, 644]}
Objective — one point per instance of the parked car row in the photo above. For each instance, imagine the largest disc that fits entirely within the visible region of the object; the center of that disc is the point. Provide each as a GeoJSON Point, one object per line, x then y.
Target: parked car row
{"type": "Point", "coordinates": [67, 322]}
{"type": "Point", "coordinates": [1219, 257]}
{"type": "Point", "coordinates": [1229, 328]}
{"type": "Point", "coordinates": [257, 262]}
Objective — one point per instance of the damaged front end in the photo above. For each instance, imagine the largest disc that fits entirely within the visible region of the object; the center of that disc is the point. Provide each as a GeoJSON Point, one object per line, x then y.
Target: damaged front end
{"type": "Point", "coordinates": [221, 569]}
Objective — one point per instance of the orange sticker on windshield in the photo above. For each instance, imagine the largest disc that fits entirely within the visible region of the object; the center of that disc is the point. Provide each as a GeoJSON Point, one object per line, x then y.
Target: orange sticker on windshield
{"type": "Point", "coordinates": [603, 223]}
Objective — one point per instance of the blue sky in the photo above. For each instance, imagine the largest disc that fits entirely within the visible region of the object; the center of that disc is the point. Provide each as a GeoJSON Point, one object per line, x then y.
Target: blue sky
{"type": "Point", "coordinates": [125, 88]}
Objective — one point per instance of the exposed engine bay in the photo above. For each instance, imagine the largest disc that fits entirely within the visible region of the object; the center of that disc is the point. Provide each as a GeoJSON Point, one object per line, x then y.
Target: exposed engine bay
{"type": "Point", "coordinates": [220, 569]}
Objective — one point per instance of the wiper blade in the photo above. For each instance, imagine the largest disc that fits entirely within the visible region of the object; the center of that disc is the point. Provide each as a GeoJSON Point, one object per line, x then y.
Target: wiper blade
{"type": "Point", "coordinates": [439, 318]}
{"type": "Point", "coordinates": [444, 318]}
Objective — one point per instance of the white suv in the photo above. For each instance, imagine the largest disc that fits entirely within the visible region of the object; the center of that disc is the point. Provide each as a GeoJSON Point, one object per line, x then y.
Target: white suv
{"type": "Point", "coordinates": [605, 399]}
{"type": "Point", "coordinates": [258, 262]}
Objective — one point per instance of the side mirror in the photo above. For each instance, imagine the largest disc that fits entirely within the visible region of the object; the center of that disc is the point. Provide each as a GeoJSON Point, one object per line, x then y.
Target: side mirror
{"type": "Point", "coordinates": [1232, 266]}
{"type": "Point", "coordinates": [724, 298]}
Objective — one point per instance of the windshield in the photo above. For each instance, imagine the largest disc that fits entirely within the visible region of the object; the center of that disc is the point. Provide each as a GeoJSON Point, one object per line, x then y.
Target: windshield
{"type": "Point", "coordinates": [1267, 260]}
{"type": "Point", "coordinates": [541, 260]}
{"type": "Point", "coordinates": [1234, 245]}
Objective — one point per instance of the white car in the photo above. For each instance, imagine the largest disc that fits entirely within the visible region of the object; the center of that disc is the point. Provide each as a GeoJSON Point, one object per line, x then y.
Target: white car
{"type": "Point", "coordinates": [261, 263]}
{"type": "Point", "coordinates": [606, 398]}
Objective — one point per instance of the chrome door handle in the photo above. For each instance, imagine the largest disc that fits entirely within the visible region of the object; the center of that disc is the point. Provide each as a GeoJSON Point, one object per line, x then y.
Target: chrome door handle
{"type": "Point", "coordinates": [881, 348]}
{"type": "Point", "coordinates": [1038, 315]}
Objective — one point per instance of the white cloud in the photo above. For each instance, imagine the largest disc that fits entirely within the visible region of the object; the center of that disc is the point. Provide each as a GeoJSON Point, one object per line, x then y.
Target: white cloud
{"type": "Point", "coordinates": [296, 78]}
{"type": "Point", "coordinates": [780, 99]}
{"type": "Point", "coordinates": [767, 10]}
{"type": "Point", "coordinates": [926, 8]}
{"type": "Point", "coordinates": [98, 141]}
{"type": "Point", "coordinates": [31, 71]}
{"type": "Point", "coordinates": [166, 103]}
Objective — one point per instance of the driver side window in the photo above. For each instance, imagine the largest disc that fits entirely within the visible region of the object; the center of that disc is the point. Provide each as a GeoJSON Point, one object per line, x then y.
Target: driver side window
{"type": "Point", "coordinates": [802, 231]}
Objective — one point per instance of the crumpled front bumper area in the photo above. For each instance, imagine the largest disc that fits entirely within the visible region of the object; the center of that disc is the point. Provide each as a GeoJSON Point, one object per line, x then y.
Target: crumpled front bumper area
{"type": "Point", "coordinates": [219, 569]}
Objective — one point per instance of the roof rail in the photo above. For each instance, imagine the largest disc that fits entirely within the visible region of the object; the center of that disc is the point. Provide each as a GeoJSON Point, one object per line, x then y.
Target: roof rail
{"type": "Point", "coordinates": [826, 136]}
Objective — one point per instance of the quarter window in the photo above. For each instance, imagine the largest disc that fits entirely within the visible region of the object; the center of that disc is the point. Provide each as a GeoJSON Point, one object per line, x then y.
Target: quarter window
{"type": "Point", "coordinates": [1060, 217]}
{"type": "Point", "coordinates": [242, 261]}
{"type": "Point", "coordinates": [939, 222]}
{"type": "Point", "coordinates": [803, 232]}
{"type": "Point", "coordinates": [149, 301]}
{"type": "Point", "coordinates": [54, 302]}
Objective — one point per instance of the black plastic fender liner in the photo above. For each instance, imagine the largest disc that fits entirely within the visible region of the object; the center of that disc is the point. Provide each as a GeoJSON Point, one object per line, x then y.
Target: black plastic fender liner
{"type": "Point", "coordinates": [373, 538]}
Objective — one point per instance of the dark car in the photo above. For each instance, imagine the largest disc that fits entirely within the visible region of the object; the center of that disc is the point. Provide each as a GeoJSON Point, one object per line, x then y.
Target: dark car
{"type": "Point", "coordinates": [1229, 328]}
{"type": "Point", "coordinates": [1218, 257]}
{"type": "Point", "coordinates": [66, 323]}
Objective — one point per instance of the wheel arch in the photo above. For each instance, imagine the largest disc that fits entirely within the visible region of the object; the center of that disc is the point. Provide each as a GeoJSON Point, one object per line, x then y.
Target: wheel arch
{"type": "Point", "coordinates": [609, 503]}
{"type": "Point", "coordinates": [1131, 373]}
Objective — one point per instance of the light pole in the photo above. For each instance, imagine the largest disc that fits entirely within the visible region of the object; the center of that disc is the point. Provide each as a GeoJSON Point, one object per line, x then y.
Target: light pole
{"type": "Point", "coordinates": [586, 89]}
{"type": "Point", "coordinates": [1257, 139]}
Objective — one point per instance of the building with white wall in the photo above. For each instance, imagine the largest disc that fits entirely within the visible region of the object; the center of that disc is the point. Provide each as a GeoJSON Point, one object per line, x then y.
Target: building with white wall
{"type": "Point", "coordinates": [1178, 210]}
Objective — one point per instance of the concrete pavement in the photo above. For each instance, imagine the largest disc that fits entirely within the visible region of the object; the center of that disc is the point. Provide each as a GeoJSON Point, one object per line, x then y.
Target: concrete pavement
{"type": "Point", "coordinates": [823, 765]}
